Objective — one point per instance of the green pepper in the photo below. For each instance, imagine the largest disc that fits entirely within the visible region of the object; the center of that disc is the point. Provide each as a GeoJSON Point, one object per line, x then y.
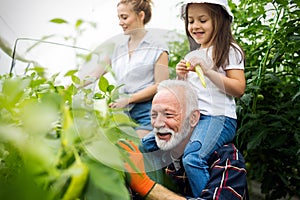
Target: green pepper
{"type": "Point", "coordinates": [188, 65]}
{"type": "Point", "coordinates": [80, 172]}
{"type": "Point", "coordinates": [200, 75]}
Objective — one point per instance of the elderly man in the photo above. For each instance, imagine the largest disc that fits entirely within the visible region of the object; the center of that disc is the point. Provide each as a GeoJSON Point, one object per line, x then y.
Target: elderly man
{"type": "Point", "coordinates": [174, 116]}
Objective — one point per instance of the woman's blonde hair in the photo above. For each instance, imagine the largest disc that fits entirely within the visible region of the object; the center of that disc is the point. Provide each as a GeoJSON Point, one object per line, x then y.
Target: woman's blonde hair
{"type": "Point", "coordinates": [140, 5]}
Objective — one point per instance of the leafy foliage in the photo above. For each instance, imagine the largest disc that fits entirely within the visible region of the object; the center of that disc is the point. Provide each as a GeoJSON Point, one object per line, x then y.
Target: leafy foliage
{"type": "Point", "coordinates": [178, 49]}
{"type": "Point", "coordinates": [50, 135]}
{"type": "Point", "coordinates": [269, 111]}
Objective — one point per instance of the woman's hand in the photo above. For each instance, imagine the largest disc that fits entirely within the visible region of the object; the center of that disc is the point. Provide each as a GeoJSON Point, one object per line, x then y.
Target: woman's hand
{"type": "Point", "coordinates": [120, 103]}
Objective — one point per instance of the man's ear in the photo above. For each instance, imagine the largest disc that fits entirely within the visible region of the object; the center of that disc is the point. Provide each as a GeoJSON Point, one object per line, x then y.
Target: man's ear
{"type": "Point", "coordinates": [194, 118]}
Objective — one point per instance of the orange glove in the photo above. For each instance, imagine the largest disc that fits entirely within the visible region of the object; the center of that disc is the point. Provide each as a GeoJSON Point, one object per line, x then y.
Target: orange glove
{"type": "Point", "coordinates": [139, 181]}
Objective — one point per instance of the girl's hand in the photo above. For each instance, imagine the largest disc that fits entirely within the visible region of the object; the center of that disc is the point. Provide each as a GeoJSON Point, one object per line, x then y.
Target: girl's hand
{"type": "Point", "coordinates": [201, 67]}
{"type": "Point", "coordinates": [200, 58]}
{"type": "Point", "coordinates": [205, 64]}
{"type": "Point", "coordinates": [120, 103]}
{"type": "Point", "coordinates": [181, 70]}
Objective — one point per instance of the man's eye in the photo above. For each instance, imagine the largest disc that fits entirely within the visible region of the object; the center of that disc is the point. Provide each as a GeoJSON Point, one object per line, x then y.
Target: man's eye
{"type": "Point", "coordinates": [169, 115]}
{"type": "Point", "coordinates": [153, 115]}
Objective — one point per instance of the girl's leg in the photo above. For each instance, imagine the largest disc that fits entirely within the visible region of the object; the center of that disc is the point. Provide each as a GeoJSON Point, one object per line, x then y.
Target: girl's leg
{"type": "Point", "coordinates": [211, 133]}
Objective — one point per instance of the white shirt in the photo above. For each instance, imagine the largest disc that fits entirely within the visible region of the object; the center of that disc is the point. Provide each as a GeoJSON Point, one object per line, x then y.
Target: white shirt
{"type": "Point", "coordinates": [137, 72]}
{"type": "Point", "coordinates": [213, 101]}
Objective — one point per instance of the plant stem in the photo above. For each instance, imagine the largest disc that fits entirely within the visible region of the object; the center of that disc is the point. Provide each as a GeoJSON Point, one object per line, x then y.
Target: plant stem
{"type": "Point", "coordinates": [263, 63]}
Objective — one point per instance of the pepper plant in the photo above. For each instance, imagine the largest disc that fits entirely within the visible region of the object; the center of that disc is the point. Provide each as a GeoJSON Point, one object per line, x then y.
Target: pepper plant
{"type": "Point", "coordinates": [55, 143]}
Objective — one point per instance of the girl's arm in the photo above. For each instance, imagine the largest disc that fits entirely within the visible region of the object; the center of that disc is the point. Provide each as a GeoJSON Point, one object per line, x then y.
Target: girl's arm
{"type": "Point", "coordinates": [233, 83]}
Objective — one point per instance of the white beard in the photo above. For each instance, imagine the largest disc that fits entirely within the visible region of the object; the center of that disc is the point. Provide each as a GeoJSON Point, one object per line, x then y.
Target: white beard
{"type": "Point", "coordinates": [176, 137]}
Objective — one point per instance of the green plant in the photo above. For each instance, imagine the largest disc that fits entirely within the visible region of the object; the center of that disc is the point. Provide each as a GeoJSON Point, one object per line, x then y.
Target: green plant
{"type": "Point", "coordinates": [269, 111]}
{"type": "Point", "coordinates": [56, 143]}
{"type": "Point", "coordinates": [178, 49]}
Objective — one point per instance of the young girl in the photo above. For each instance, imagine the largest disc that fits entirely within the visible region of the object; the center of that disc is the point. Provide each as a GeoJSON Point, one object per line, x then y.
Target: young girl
{"type": "Point", "coordinates": [208, 28]}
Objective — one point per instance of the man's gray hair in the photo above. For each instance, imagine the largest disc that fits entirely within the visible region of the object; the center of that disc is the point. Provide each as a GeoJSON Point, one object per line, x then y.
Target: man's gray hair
{"type": "Point", "coordinates": [181, 89]}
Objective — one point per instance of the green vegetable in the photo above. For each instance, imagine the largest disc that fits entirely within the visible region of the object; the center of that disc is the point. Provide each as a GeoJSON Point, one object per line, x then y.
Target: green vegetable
{"type": "Point", "coordinates": [188, 65]}
{"type": "Point", "coordinates": [260, 97]}
{"type": "Point", "coordinates": [200, 74]}
{"type": "Point", "coordinates": [80, 172]}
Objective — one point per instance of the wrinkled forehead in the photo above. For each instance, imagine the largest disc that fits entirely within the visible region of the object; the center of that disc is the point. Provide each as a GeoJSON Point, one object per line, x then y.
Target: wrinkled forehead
{"type": "Point", "coordinates": [168, 99]}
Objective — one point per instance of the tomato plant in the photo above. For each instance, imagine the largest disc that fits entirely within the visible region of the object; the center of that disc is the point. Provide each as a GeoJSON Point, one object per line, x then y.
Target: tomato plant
{"type": "Point", "coordinates": [269, 111]}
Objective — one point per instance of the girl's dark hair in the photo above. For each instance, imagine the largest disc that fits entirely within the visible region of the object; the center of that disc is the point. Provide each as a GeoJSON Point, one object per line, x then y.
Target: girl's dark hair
{"type": "Point", "coordinates": [222, 38]}
{"type": "Point", "coordinates": [140, 5]}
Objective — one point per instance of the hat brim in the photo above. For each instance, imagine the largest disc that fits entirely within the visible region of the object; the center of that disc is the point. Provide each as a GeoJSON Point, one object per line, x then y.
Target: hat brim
{"type": "Point", "coordinates": [217, 2]}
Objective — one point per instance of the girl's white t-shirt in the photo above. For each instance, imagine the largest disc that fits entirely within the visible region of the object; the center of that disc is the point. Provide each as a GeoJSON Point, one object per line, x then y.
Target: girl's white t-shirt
{"type": "Point", "coordinates": [213, 101]}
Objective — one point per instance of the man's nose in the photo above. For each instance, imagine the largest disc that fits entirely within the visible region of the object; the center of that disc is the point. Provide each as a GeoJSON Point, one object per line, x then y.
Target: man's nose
{"type": "Point", "coordinates": [159, 121]}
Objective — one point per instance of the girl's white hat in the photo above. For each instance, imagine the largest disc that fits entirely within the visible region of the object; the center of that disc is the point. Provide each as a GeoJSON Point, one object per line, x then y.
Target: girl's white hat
{"type": "Point", "coordinates": [223, 3]}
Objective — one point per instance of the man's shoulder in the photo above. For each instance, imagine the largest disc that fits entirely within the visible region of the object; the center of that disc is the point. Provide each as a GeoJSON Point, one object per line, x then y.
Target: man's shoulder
{"type": "Point", "coordinates": [148, 143]}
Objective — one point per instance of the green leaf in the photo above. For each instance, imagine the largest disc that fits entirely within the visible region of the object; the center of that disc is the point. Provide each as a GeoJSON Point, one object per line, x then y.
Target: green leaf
{"type": "Point", "coordinates": [13, 89]}
{"type": "Point", "coordinates": [110, 88]}
{"type": "Point", "coordinates": [103, 84]}
{"type": "Point", "coordinates": [52, 99]}
{"type": "Point", "coordinates": [106, 153]}
{"type": "Point", "coordinates": [256, 140]}
{"type": "Point", "coordinates": [125, 132]}
{"type": "Point", "coordinates": [78, 23]}
{"type": "Point", "coordinates": [120, 118]}
{"type": "Point", "coordinates": [98, 96]}
{"type": "Point", "coordinates": [105, 183]}
{"type": "Point", "coordinates": [71, 72]}
{"type": "Point", "coordinates": [75, 79]}
{"type": "Point", "coordinates": [59, 21]}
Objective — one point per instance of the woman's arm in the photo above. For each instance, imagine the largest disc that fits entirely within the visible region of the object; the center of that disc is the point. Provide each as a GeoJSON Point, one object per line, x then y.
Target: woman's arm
{"type": "Point", "coordinates": [98, 71]}
{"type": "Point", "coordinates": [161, 72]}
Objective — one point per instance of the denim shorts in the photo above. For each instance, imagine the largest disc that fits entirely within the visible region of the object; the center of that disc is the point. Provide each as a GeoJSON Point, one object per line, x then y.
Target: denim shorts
{"type": "Point", "coordinates": [140, 113]}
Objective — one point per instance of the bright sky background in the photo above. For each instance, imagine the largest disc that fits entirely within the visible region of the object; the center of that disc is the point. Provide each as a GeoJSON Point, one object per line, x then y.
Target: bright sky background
{"type": "Point", "coordinates": [30, 19]}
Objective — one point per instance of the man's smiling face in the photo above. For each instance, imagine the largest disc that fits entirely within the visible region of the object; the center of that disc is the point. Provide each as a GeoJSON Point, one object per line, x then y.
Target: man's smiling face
{"type": "Point", "coordinates": [168, 119]}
